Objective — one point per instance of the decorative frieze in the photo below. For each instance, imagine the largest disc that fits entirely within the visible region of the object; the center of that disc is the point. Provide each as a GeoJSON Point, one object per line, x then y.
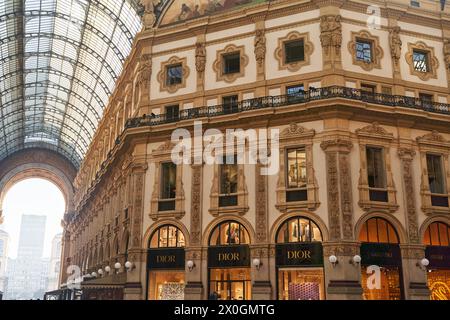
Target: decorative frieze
{"type": "Point", "coordinates": [340, 208]}
{"type": "Point", "coordinates": [196, 206]}
{"type": "Point", "coordinates": [407, 155]}
{"type": "Point", "coordinates": [261, 205]}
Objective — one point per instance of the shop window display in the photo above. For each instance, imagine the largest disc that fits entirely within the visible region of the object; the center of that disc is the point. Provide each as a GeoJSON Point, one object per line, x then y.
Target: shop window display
{"type": "Point", "coordinates": [437, 240]}
{"type": "Point", "coordinates": [299, 260]}
{"type": "Point", "coordinates": [166, 260]}
{"type": "Point", "coordinates": [380, 247]}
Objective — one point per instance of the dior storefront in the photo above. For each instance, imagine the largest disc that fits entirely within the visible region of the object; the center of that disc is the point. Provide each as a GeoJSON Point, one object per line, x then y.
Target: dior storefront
{"type": "Point", "coordinates": [229, 262]}
{"type": "Point", "coordinates": [165, 264]}
{"type": "Point", "coordinates": [299, 261]}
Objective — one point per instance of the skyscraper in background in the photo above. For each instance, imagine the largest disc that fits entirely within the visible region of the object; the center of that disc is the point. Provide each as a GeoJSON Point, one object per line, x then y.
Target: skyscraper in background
{"type": "Point", "coordinates": [55, 262]}
{"type": "Point", "coordinates": [28, 274]}
{"type": "Point", "coordinates": [4, 239]}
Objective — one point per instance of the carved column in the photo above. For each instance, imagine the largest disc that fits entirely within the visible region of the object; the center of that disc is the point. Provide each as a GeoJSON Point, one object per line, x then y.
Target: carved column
{"type": "Point", "coordinates": [406, 156]}
{"type": "Point", "coordinates": [343, 278]}
{"type": "Point", "coordinates": [135, 279]}
{"type": "Point", "coordinates": [194, 287]}
{"type": "Point", "coordinates": [414, 277]}
{"type": "Point", "coordinates": [262, 288]}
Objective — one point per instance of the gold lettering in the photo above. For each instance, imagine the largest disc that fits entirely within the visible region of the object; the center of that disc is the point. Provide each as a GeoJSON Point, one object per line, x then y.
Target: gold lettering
{"type": "Point", "coordinates": [299, 254]}
{"type": "Point", "coordinates": [165, 259]}
{"type": "Point", "coordinates": [228, 257]}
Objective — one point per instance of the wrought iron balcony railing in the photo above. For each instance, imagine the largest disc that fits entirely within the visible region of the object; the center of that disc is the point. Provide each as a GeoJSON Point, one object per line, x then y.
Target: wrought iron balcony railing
{"type": "Point", "coordinates": [290, 99]}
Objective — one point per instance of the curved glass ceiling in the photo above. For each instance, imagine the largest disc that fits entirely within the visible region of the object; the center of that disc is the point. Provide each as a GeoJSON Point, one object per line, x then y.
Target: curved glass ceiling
{"type": "Point", "coordinates": [59, 61]}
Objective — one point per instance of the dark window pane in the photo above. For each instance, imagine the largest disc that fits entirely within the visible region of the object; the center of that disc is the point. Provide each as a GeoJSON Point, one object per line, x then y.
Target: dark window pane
{"type": "Point", "coordinates": [231, 63]}
{"type": "Point", "coordinates": [295, 51]}
{"type": "Point", "coordinates": [229, 176]}
{"type": "Point", "coordinates": [296, 168]}
{"type": "Point", "coordinates": [364, 51]}
{"type": "Point", "coordinates": [375, 168]}
{"type": "Point", "coordinates": [420, 61]}
{"type": "Point", "coordinates": [435, 174]}
{"type": "Point", "coordinates": [172, 112]}
{"type": "Point", "coordinates": [168, 180]}
{"type": "Point", "coordinates": [174, 75]}
{"type": "Point", "coordinates": [230, 104]}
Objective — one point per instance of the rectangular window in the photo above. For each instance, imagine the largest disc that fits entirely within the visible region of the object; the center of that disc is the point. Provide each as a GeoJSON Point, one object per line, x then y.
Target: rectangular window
{"type": "Point", "coordinates": [386, 90]}
{"type": "Point", "coordinates": [425, 97]}
{"type": "Point", "coordinates": [375, 168]}
{"type": "Point", "coordinates": [230, 104]}
{"type": "Point", "coordinates": [174, 74]}
{"type": "Point", "coordinates": [172, 112]}
{"type": "Point", "coordinates": [229, 175]}
{"type": "Point", "coordinates": [368, 91]}
{"type": "Point", "coordinates": [295, 94]}
{"type": "Point", "coordinates": [168, 180]}
{"type": "Point", "coordinates": [294, 51]}
{"type": "Point", "coordinates": [231, 63]}
{"type": "Point", "coordinates": [420, 60]}
{"type": "Point", "coordinates": [364, 50]}
{"type": "Point", "coordinates": [435, 174]}
{"type": "Point", "coordinates": [296, 168]}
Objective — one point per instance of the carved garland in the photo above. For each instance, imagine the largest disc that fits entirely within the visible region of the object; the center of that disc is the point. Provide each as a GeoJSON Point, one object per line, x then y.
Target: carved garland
{"type": "Point", "coordinates": [292, 137]}
{"type": "Point", "coordinates": [375, 135]}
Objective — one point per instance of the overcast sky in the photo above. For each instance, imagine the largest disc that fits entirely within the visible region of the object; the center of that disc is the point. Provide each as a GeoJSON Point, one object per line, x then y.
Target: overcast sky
{"type": "Point", "coordinates": [35, 197]}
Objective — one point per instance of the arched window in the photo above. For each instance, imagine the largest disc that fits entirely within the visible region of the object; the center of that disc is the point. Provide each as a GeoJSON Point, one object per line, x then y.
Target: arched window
{"type": "Point", "coordinates": [437, 234]}
{"type": "Point", "coordinates": [378, 230]}
{"type": "Point", "coordinates": [229, 233]}
{"type": "Point", "coordinates": [299, 229]}
{"type": "Point", "coordinates": [167, 236]}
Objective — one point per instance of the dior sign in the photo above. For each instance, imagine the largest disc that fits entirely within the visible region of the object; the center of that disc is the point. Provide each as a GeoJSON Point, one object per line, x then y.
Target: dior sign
{"type": "Point", "coordinates": [215, 147]}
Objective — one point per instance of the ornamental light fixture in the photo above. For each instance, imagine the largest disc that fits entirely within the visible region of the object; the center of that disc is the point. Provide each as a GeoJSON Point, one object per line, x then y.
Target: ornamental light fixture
{"type": "Point", "coordinates": [190, 265]}
{"type": "Point", "coordinates": [423, 264]}
{"type": "Point", "coordinates": [108, 269]}
{"type": "Point", "coordinates": [257, 263]}
{"type": "Point", "coordinates": [356, 260]}
{"type": "Point", "coordinates": [333, 260]}
{"type": "Point", "coordinates": [100, 272]}
{"type": "Point", "coordinates": [129, 265]}
{"type": "Point", "coordinates": [117, 266]}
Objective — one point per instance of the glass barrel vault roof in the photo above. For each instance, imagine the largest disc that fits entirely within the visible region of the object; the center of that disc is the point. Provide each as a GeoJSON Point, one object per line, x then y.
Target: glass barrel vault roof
{"type": "Point", "coordinates": [59, 61]}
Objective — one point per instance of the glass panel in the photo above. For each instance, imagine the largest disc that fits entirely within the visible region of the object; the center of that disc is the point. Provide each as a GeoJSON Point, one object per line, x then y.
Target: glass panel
{"type": "Point", "coordinates": [372, 229]}
{"type": "Point", "coordinates": [434, 232]}
{"type": "Point", "coordinates": [382, 231]}
{"type": "Point", "coordinates": [443, 236]}
{"type": "Point", "coordinates": [298, 230]}
{"type": "Point", "coordinates": [172, 237]}
{"type": "Point", "coordinates": [363, 236]}
{"type": "Point", "coordinates": [230, 284]}
{"type": "Point", "coordinates": [181, 240]}
{"type": "Point", "coordinates": [295, 51]}
{"type": "Point", "coordinates": [163, 237]}
{"type": "Point", "coordinates": [389, 288]}
{"type": "Point", "coordinates": [296, 168]}
{"type": "Point", "coordinates": [229, 176]}
{"type": "Point", "coordinates": [420, 61]}
{"type": "Point", "coordinates": [393, 238]}
{"type": "Point", "coordinates": [435, 174]}
{"type": "Point", "coordinates": [174, 75]}
{"type": "Point", "coordinates": [301, 284]}
{"type": "Point", "coordinates": [375, 168]}
{"type": "Point", "coordinates": [154, 242]}
{"type": "Point", "coordinates": [232, 63]}
{"type": "Point", "coordinates": [364, 51]}
{"type": "Point", "coordinates": [439, 284]}
{"type": "Point", "coordinates": [166, 285]}
{"type": "Point", "coordinates": [168, 180]}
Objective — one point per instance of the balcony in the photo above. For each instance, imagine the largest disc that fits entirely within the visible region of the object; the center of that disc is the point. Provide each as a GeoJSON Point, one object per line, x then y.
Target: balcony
{"type": "Point", "coordinates": [291, 99]}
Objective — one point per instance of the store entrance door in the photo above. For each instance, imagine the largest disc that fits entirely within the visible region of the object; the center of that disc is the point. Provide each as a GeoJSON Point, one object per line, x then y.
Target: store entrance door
{"type": "Point", "coordinates": [230, 290]}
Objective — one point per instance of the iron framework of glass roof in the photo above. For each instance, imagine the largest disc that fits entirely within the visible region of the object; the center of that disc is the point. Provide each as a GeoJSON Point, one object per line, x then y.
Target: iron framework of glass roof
{"type": "Point", "coordinates": [59, 61]}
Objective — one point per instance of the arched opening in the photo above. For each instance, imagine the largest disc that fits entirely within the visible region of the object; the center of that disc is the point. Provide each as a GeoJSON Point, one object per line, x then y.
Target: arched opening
{"type": "Point", "coordinates": [165, 264]}
{"type": "Point", "coordinates": [299, 260]}
{"type": "Point", "coordinates": [437, 240]}
{"type": "Point", "coordinates": [32, 210]}
{"type": "Point", "coordinates": [381, 263]}
{"type": "Point", "coordinates": [229, 262]}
